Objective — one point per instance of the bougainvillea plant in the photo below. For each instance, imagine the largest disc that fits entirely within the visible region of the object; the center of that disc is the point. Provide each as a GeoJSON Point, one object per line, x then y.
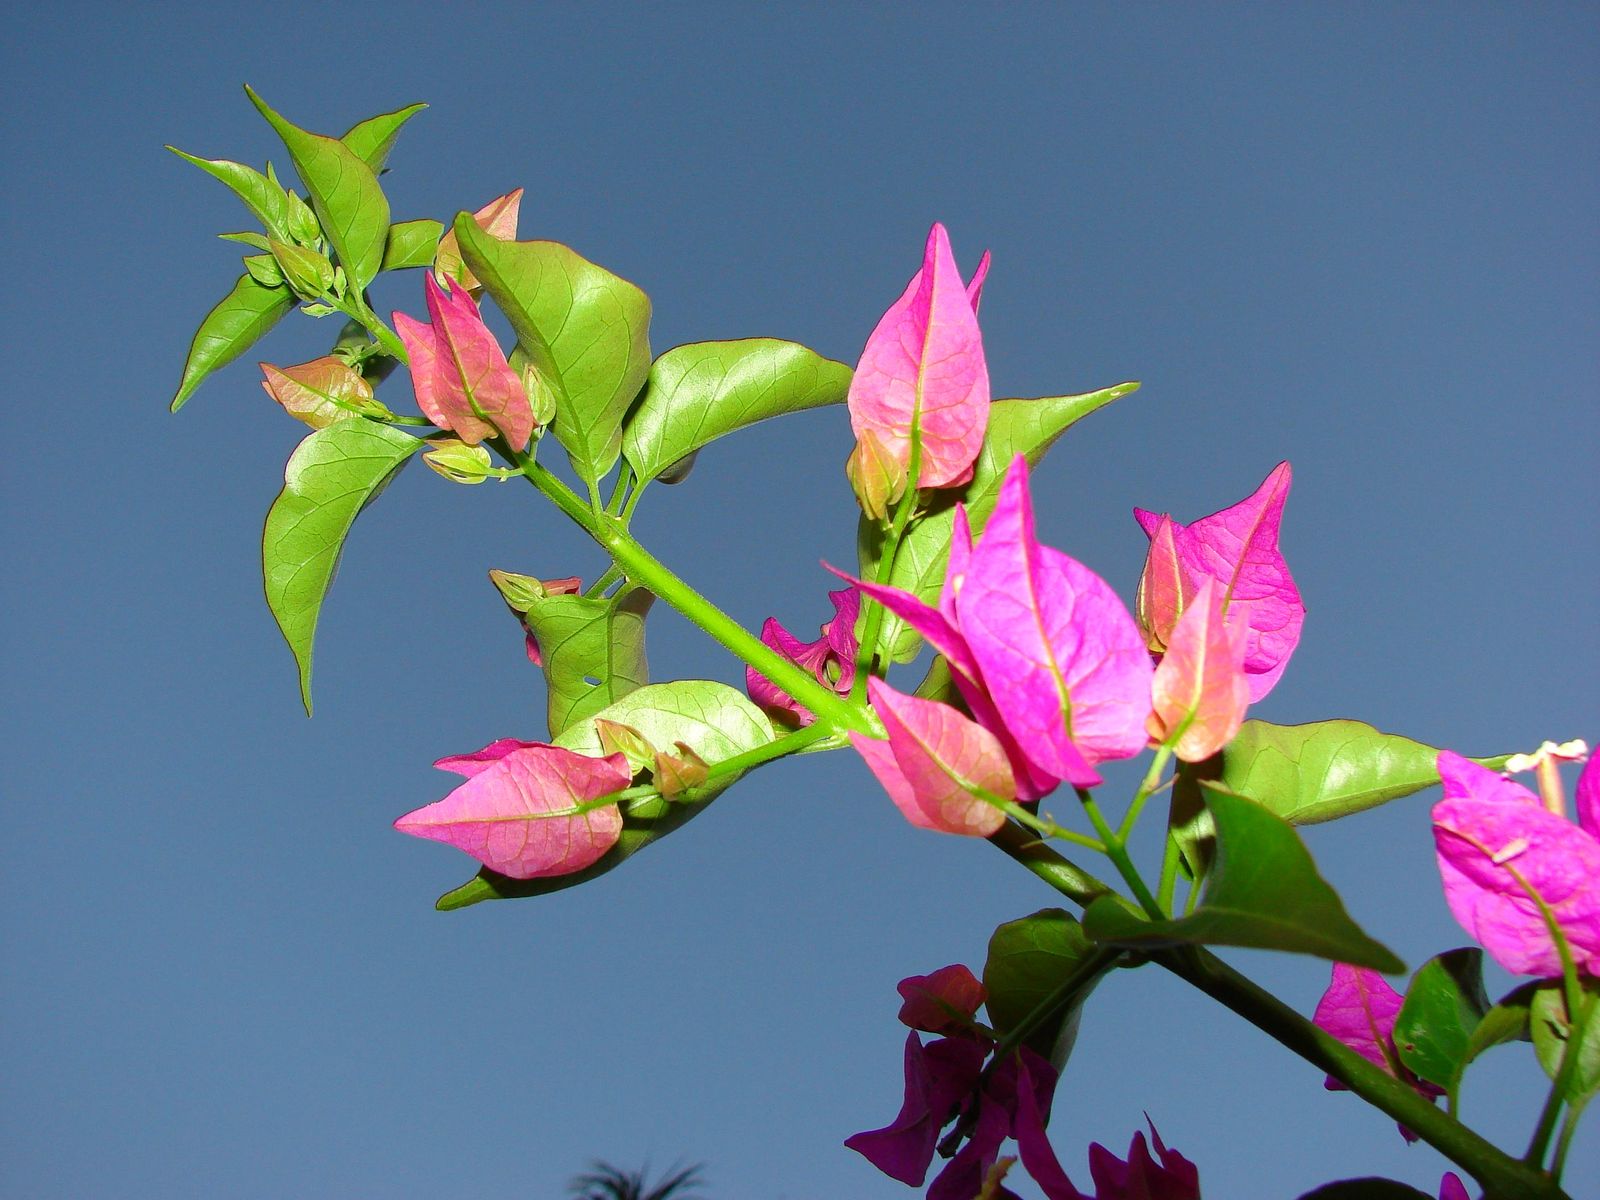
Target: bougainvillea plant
{"type": "Point", "coordinates": [1040, 673]}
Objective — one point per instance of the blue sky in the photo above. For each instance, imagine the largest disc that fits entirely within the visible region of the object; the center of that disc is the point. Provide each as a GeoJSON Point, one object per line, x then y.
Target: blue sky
{"type": "Point", "coordinates": [1361, 237]}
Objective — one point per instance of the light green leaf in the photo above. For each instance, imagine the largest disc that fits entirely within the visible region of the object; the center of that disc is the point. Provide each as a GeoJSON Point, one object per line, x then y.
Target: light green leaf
{"type": "Point", "coordinates": [229, 329]}
{"type": "Point", "coordinates": [1029, 960]}
{"type": "Point", "coordinates": [372, 139]}
{"type": "Point", "coordinates": [1305, 774]}
{"type": "Point", "coordinates": [1264, 892]}
{"type": "Point", "coordinates": [587, 331]}
{"type": "Point", "coordinates": [1026, 427]}
{"type": "Point", "coordinates": [699, 392]}
{"type": "Point", "coordinates": [1444, 1003]}
{"type": "Point", "coordinates": [712, 719]}
{"type": "Point", "coordinates": [411, 244]}
{"type": "Point", "coordinates": [349, 204]}
{"type": "Point", "coordinates": [264, 269]}
{"type": "Point", "coordinates": [1552, 1029]}
{"type": "Point", "coordinates": [264, 198]}
{"type": "Point", "coordinates": [593, 650]}
{"type": "Point", "coordinates": [330, 478]}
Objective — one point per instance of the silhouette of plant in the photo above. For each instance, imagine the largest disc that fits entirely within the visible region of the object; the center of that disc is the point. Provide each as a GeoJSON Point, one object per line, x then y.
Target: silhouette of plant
{"type": "Point", "coordinates": [605, 1182]}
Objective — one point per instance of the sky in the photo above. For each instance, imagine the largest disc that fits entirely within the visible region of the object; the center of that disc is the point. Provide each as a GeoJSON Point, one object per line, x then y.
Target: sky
{"type": "Point", "coordinates": [1360, 237]}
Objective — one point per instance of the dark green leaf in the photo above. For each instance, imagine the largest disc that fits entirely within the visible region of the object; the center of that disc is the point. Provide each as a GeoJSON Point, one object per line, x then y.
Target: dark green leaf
{"type": "Point", "coordinates": [1507, 1021]}
{"type": "Point", "coordinates": [586, 330]}
{"type": "Point", "coordinates": [1444, 1003]}
{"type": "Point", "coordinates": [1029, 961]}
{"type": "Point", "coordinates": [330, 478]}
{"type": "Point", "coordinates": [1263, 892]}
{"type": "Point", "coordinates": [411, 244]}
{"type": "Point", "coordinates": [1552, 1030]}
{"type": "Point", "coordinates": [1369, 1188]}
{"type": "Point", "coordinates": [1026, 427]}
{"type": "Point", "coordinates": [231, 328]}
{"type": "Point", "coordinates": [264, 198]}
{"type": "Point", "coordinates": [699, 392]}
{"type": "Point", "coordinates": [584, 639]}
{"type": "Point", "coordinates": [372, 139]}
{"type": "Point", "coordinates": [349, 204]}
{"type": "Point", "coordinates": [710, 718]}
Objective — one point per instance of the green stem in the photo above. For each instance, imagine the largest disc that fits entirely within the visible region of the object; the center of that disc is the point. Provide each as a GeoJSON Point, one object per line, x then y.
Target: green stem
{"type": "Point", "coordinates": [1168, 883]}
{"type": "Point", "coordinates": [1071, 880]}
{"type": "Point", "coordinates": [1502, 1177]}
{"type": "Point", "coordinates": [354, 307]}
{"type": "Point", "coordinates": [891, 547]}
{"type": "Point", "coordinates": [620, 491]}
{"type": "Point", "coordinates": [1569, 1126]}
{"type": "Point", "coordinates": [1117, 852]}
{"type": "Point", "coordinates": [1147, 788]}
{"type": "Point", "coordinates": [640, 566]}
{"type": "Point", "coordinates": [599, 586]}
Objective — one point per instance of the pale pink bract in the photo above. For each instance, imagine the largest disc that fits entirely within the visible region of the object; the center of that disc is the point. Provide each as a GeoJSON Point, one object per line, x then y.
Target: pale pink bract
{"type": "Point", "coordinates": [511, 813]}
{"type": "Point", "coordinates": [923, 369]}
{"type": "Point", "coordinates": [1200, 686]}
{"type": "Point", "coordinates": [1238, 547]}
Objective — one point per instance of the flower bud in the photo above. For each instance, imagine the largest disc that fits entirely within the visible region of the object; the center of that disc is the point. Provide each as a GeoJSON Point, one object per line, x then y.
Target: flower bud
{"type": "Point", "coordinates": [458, 462]}
{"type": "Point", "coordinates": [541, 396]}
{"type": "Point", "coordinates": [522, 592]}
{"type": "Point", "coordinates": [876, 476]}
{"type": "Point", "coordinates": [310, 274]}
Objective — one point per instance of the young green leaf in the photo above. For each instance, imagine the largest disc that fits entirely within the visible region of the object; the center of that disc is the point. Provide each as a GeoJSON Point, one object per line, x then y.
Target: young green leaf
{"type": "Point", "coordinates": [264, 198]}
{"type": "Point", "coordinates": [229, 329]}
{"type": "Point", "coordinates": [1323, 770]}
{"type": "Point", "coordinates": [699, 392]}
{"type": "Point", "coordinates": [1264, 892]}
{"type": "Point", "coordinates": [585, 329]}
{"type": "Point", "coordinates": [593, 650]}
{"type": "Point", "coordinates": [1026, 427]}
{"type": "Point", "coordinates": [349, 204]}
{"type": "Point", "coordinates": [1029, 959]}
{"type": "Point", "coordinates": [1553, 1028]}
{"type": "Point", "coordinates": [411, 244]}
{"type": "Point", "coordinates": [710, 718]}
{"type": "Point", "coordinates": [330, 478]}
{"type": "Point", "coordinates": [1444, 1004]}
{"type": "Point", "coordinates": [372, 139]}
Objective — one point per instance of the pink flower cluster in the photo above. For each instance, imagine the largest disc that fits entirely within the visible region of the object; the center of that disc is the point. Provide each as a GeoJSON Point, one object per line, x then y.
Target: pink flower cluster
{"type": "Point", "coordinates": [947, 1082]}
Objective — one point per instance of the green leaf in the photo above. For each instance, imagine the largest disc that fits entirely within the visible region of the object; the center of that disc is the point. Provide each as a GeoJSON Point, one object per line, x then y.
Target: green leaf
{"type": "Point", "coordinates": [372, 139]}
{"type": "Point", "coordinates": [264, 269]}
{"type": "Point", "coordinates": [229, 329]}
{"type": "Point", "coordinates": [330, 478]}
{"type": "Point", "coordinates": [699, 392]}
{"type": "Point", "coordinates": [1444, 1003]}
{"type": "Point", "coordinates": [1264, 892]}
{"type": "Point", "coordinates": [1305, 773]}
{"type": "Point", "coordinates": [710, 718]}
{"type": "Point", "coordinates": [1552, 1027]}
{"type": "Point", "coordinates": [1026, 427]}
{"type": "Point", "coordinates": [264, 198]}
{"type": "Point", "coordinates": [1029, 960]}
{"type": "Point", "coordinates": [1369, 1188]}
{"type": "Point", "coordinates": [349, 204]}
{"type": "Point", "coordinates": [586, 330]}
{"type": "Point", "coordinates": [1323, 770]}
{"type": "Point", "coordinates": [593, 650]}
{"type": "Point", "coordinates": [411, 244]}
